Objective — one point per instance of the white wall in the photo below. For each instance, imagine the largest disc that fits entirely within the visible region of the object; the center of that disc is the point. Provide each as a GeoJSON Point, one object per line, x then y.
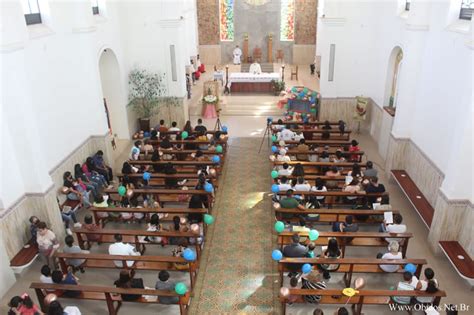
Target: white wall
{"type": "Point", "coordinates": [51, 93]}
{"type": "Point", "coordinates": [435, 84]}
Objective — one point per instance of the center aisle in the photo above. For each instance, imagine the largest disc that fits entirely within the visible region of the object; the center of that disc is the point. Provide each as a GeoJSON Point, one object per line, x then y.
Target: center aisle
{"type": "Point", "coordinates": [236, 273]}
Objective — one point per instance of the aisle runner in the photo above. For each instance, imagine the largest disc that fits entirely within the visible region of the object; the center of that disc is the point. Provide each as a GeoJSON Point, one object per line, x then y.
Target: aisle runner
{"type": "Point", "coordinates": [236, 273]}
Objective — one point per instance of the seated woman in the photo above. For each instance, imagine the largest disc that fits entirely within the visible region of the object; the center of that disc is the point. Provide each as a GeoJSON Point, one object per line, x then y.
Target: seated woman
{"type": "Point", "coordinates": [128, 169]}
{"type": "Point", "coordinates": [88, 169]}
{"type": "Point", "coordinates": [101, 202]}
{"type": "Point", "coordinates": [195, 203]}
{"type": "Point", "coordinates": [75, 191]}
{"type": "Point", "coordinates": [393, 253]}
{"type": "Point", "coordinates": [332, 251]}
{"type": "Point", "coordinates": [154, 226]}
{"type": "Point", "coordinates": [155, 157]}
{"type": "Point", "coordinates": [319, 187]}
{"type": "Point", "coordinates": [354, 147]}
{"type": "Point", "coordinates": [126, 281]}
{"type": "Point", "coordinates": [91, 226]}
{"type": "Point", "coordinates": [90, 184]}
{"type": "Point", "coordinates": [166, 146]}
{"type": "Point", "coordinates": [170, 183]}
{"type": "Point", "coordinates": [352, 188]}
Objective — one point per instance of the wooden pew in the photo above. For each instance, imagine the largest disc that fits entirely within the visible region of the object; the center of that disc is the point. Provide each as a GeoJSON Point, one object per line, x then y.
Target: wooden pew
{"type": "Point", "coordinates": [25, 257]}
{"type": "Point", "coordinates": [331, 151]}
{"type": "Point", "coordinates": [223, 143]}
{"type": "Point", "coordinates": [211, 132]}
{"type": "Point", "coordinates": [110, 295]}
{"type": "Point", "coordinates": [335, 193]}
{"type": "Point", "coordinates": [175, 163]}
{"type": "Point", "coordinates": [167, 195]}
{"type": "Point", "coordinates": [334, 215]}
{"type": "Point", "coordinates": [321, 164]}
{"type": "Point", "coordinates": [364, 239]}
{"type": "Point", "coordinates": [145, 211]}
{"type": "Point", "coordinates": [416, 197]}
{"type": "Point", "coordinates": [460, 259]}
{"type": "Point", "coordinates": [364, 297]}
{"type": "Point", "coordinates": [154, 263]}
{"type": "Point", "coordinates": [319, 131]}
{"type": "Point", "coordinates": [349, 266]}
{"type": "Point", "coordinates": [331, 143]}
{"type": "Point", "coordinates": [312, 123]}
{"type": "Point", "coordinates": [318, 136]}
{"type": "Point", "coordinates": [130, 236]}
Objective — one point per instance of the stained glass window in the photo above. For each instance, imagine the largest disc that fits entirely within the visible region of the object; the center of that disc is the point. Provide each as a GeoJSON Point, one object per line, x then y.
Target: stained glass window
{"type": "Point", "coordinates": [287, 22]}
{"type": "Point", "coordinates": [226, 20]}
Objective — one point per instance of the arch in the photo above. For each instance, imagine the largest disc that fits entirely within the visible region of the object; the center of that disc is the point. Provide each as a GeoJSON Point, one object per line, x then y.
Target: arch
{"type": "Point", "coordinates": [112, 93]}
{"type": "Point", "coordinates": [394, 68]}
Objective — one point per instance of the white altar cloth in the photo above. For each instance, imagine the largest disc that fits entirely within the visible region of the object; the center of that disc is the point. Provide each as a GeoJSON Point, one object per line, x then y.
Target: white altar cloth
{"type": "Point", "coordinates": [239, 77]}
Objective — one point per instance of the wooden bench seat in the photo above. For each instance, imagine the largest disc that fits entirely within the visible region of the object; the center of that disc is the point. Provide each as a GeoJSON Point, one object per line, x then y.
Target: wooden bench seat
{"type": "Point", "coordinates": [130, 236]}
{"type": "Point", "coordinates": [460, 259]}
{"type": "Point", "coordinates": [334, 215]}
{"type": "Point", "coordinates": [25, 257]}
{"type": "Point", "coordinates": [321, 164]}
{"type": "Point", "coordinates": [312, 123]}
{"type": "Point", "coordinates": [146, 211]}
{"type": "Point", "coordinates": [319, 131]}
{"type": "Point", "coordinates": [364, 297]}
{"type": "Point", "coordinates": [363, 239]}
{"type": "Point", "coordinates": [154, 263]}
{"type": "Point", "coordinates": [331, 143]}
{"type": "Point", "coordinates": [110, 295]}
{"type": "Point", "coordinates": [179, 175]}
{"type": "Point", "coordinates": [417, 199]}
{"type": "Point", "coordinates": [348, 266]}
{"type": "Point", "coordinates": [320, 151]}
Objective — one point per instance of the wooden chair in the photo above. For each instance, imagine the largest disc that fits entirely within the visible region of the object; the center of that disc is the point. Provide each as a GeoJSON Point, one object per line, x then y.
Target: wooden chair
{"type": "Point", "coordinates": [257, 54]}
{"type": "Point", "coordinates": [279, 55]}
{"type": "Point", "coordinates": [294, 72]}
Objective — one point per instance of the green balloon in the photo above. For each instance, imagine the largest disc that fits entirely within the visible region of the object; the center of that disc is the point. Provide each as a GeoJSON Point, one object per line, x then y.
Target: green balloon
{"type": "Point", "coordinates": [274, 138]}
{"type": "Point", "coordinates": [180, 288]}
{"type": "Point", "coordinates": [305, 90]}
{"type": "Point", "coordinates": [184, 135]}
{"type": "Point", "coordinates": [313, 110]}
{"type": "Point", "coordinates": [208, 219]}
{"type": "Point", "coordinates": [313, 235]}
{"type": "Point", "coordinates": [219, 149]}
{"type": "Point", "coordinates": [274, 174]}
{"type": "Point", "coordinates": [122, 190]}
{"type": "Point", "coordinates": [315, 94]}
{"type": "Point", "coordinates": [279, 226]}
{"type": "Point", "coordinates": [290, 113]}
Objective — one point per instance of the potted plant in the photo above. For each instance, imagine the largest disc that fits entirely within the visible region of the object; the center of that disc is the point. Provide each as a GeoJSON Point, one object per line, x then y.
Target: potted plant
{"type": "Point", "coordinates": [278, 86]}
{"type": "Point", "coordinates": [146, 89]}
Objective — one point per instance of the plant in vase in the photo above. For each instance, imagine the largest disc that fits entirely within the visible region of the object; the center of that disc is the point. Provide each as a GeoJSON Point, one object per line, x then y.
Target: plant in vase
{"type": "Point", "coordinates": [145, 94]}
{"type": "Point", "coordinates": [278, 86]}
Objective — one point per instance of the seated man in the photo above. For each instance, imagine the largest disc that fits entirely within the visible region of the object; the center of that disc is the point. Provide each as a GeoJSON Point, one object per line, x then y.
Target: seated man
{"type": "Point", "coordinates": [395, 227]}
{"type": "Point", "coordinates": [100, 166]}
{"type": "Point", "coordinates": [121, 248]}
{"type": "Point", "coordinates": [370, 171]}
{"type": "Point", "coordinates": [409, 284]}
{"type": "Point", "coordinates": [255, 68]}
{"type": "Point", "coordinates": [302, 147]}
{"type": "Point", "coordinates": [347, 226]}
{"type": "Point", "coordinates": [290, 202]}
{"type": "Point", "coordinates": [58, 278]}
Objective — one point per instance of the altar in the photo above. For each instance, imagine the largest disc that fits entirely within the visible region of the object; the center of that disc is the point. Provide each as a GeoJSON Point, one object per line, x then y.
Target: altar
{"type": "Point", "coordinates": [252, 83]}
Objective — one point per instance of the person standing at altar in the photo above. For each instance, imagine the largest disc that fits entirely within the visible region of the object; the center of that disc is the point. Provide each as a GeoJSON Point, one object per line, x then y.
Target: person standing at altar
{"type": "Point", "coordinates": [255, 68]}
{"type": "Point", "coordinates": [237, 53]}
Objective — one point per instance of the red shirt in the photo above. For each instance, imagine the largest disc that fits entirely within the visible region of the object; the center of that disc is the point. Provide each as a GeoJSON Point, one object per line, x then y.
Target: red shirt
{"type": "Point", "coordinates": [354, 157]}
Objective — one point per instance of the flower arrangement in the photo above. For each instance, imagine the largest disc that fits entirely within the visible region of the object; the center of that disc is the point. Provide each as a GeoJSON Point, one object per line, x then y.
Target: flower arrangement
{"type": "Point", "coordinates": [210, 98]}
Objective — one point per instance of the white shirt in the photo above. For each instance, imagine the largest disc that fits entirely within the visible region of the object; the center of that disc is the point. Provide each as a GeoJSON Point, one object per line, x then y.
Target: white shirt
{"type": "Point", "coordinates": [298, 137]}
{"type": "Point", "coordinates": [424, 285]}
{"type": "Point", "coordinates": [285, 172]}
{"type": "Point", "coordinates": [284, 187]}
{"type": "Point", "coordinates": [124, 250]}
{"type": "Point", "coordinates": [395, 228]}
{"type": "Point", "coordinates": [173, 137]}
{"type": "Point", "coordinates": [72, 310]}
{"type": "Point", "coordinates": [286, 135]}
{"type": "Point", "coordinates": [391, 268]}
{"type": "Point", "coordinates": [255, 68]}
{"type": "Point", "coordinates": [303, 187]}
{"type": "Point", "coordinates": [319, 190]}
{"type": "Point", "coordinates": [45, 279]}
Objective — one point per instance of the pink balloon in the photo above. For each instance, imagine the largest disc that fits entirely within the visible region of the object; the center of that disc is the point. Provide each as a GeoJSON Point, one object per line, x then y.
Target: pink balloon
{"type": "Point", "coordinates": [284, 292]}
{"type": "Point", "coordinates": [195, 228]}
{"type": "Point", "coordinates": [183, 220]}
{"type": "Point", "coordinates": [359, 283]}
{"type": "Point", "coordinates": [50, 298]}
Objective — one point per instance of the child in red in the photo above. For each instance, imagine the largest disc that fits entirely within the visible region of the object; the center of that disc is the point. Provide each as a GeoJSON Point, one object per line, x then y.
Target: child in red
{"type": "Point", "coordinates": [354, 147]}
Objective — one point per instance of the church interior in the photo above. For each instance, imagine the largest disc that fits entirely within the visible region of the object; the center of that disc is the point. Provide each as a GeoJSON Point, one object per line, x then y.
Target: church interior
{"type": "Point", "coordinates": [236, 157]}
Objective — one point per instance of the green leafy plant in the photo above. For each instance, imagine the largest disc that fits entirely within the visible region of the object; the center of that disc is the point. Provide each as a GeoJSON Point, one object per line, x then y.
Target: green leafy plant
{"type": "Point", "coordinates": [278, 85]}
{"type": "Point", "coordinates": [146, 92]}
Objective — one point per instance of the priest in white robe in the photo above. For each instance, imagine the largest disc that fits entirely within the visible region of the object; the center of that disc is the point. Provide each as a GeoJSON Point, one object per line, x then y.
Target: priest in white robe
{"type": "Point", "coordinates": [237, 53]}
{"type": "Point", "coordinates": [255, 68]}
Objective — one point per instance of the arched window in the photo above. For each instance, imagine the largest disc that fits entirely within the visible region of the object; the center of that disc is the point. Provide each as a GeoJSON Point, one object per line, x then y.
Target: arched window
{"type": "Point", "coordinates": [32, 11]}
{"type": "Point", "coordinates": [393, 78]}
{"type": "Point", "coordinates": [467, 7]}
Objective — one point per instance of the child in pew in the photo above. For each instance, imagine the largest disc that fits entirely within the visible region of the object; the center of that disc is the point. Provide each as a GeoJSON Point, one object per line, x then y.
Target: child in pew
{"type": "Point", "coordinates": [23, 306]}
{"type": "Point", "coordinates": [179, 251]}
{"type": "Point", "coordinates": [126, 281]}
{"type": "Point", "coordinates": [429, 285]}
{"type": "Point", "coordinates": [154, 226]}
{"type": "Point", "coordinates": [91, 226]}
{"type": "Point", "coordinates": [69, 278]}
{"type": "Point", "coordinates": [311, 248]}
{"type": "Point", "coordinates": [70, 248]}
{"type": "Point", "coordinates": [163, 283]}
{"type": "Point", "coordinates": [101, 202]}
{"type": "Point", "coordinates": [293, 284]}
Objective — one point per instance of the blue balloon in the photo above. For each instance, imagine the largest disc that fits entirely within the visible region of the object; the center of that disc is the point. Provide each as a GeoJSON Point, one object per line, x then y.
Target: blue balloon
{"type": "Point", "coordinates": [216, 159]}
{"type": "Point", "coordinates": [277, 255]}
{"type": "Point", "coordinates": [411, 268]}
{"type": "Point", "coordinates": [306, 268]}
{"type": "Point", "coordinates": [224, 128]}
{"type": "Point", "coordinates": [146, 176]}
{"type": "Point", "coordinates": [208, 187]}
{"type": "Point", "coordinates": [275, 188]}
{"type": "Point", "coordinates": [146, 134]}
{"type": "Point", "coordinates": [274, 149]}
{"type": "Point", "coordinates": [189, 254]}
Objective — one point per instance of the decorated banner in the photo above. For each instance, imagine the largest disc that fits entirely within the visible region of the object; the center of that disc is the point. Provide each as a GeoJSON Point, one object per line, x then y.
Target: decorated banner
{"type": "Point", "coordinates": [226, 20]}
{"type": "Point", "coordinates": [287, 20]}
{"type": "Point", "coordinates": [361, 108]}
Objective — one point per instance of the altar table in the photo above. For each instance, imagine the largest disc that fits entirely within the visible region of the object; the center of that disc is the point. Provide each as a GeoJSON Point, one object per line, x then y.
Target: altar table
{"type": "Point", "coordinates": [249, 82]}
